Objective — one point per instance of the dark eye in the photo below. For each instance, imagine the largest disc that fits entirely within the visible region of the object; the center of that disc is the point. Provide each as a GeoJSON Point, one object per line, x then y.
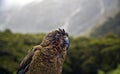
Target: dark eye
{"type": "Point", "coordinates": [66, 34]}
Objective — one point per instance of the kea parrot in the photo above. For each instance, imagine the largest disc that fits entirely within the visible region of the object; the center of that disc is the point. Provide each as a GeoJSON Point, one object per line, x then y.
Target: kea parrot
{"type": "Point", "coordinates": [47, 57]}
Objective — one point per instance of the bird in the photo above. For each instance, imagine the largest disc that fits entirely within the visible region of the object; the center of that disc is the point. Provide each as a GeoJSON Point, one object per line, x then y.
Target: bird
{"type": "Point", "coordinates": [47, 57]}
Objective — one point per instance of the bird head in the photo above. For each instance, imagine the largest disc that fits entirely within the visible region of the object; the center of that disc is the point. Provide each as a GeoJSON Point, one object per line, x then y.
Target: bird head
{"type": "Point", "coordinates": [57, 38]}
{"type": "Point", "coordinates": [62, 38]}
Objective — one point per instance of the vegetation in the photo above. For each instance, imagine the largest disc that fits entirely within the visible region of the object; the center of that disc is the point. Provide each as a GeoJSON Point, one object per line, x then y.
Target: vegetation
{"type": "Point", "coordinates": [13, 48]}
{"type": "Point", "coordinates": [85, 55]}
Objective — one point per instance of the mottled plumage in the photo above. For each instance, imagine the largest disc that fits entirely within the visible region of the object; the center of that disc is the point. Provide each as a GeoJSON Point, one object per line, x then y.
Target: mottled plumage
{"type": "Point", "coordinates": [48, 57]}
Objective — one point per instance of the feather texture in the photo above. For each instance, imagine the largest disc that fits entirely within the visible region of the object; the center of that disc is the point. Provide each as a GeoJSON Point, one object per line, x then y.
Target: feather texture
{"type": "Point", "coordinates": [48, 57]}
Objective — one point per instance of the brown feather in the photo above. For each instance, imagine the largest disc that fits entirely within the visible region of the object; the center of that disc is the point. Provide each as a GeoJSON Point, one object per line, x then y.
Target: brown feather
{"type": "Point", "coordinates": [48, 57]}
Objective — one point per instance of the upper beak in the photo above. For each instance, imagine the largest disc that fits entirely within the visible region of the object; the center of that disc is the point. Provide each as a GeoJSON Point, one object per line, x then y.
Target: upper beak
{"type": "Point", "coordinates": [66, 42]}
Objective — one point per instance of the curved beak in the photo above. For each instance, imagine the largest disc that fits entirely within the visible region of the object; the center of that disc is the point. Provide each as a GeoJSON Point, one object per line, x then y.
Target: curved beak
{"type": "Point", "coordinates": [66, 42]}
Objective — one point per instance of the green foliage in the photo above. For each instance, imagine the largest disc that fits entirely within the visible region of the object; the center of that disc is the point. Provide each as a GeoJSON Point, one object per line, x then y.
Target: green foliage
{"type": "Point", "coordinates": [85, 56]}
{"type": "Point", "coordinates": [13, 48]}
{"type": "Point", "coordinates": [88, 56]}
{"type": "Point", "coordinates": [100, 72]}
{"type": "Point", "coordinates": [115, 71]}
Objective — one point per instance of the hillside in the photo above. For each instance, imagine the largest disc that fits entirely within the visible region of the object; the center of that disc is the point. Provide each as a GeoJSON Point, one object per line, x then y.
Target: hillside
{"type": "Point", "coordinates": [111, 26]}
{"type": "Point", "coordinates": [76, 16]}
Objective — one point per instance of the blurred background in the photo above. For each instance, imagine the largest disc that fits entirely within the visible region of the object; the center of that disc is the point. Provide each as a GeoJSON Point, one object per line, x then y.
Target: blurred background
{"type": "Point", "coordinates": [93, 26]}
